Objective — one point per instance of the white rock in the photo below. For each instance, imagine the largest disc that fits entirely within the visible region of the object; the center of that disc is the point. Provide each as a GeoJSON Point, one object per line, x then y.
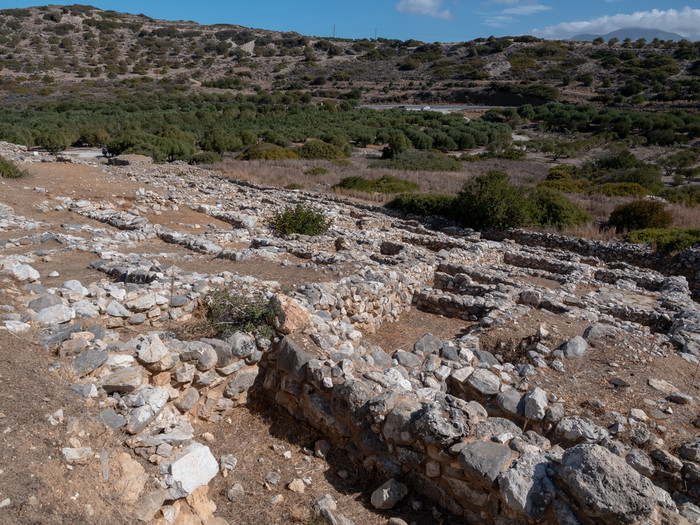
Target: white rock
{"type": "Point", "coordinates": [24, 272]}
{"type": "Point", "coordinates": [16, 327]}
{"type": "Point", "coordinates": [57, 314]}
{"type": "Point", "coordinates": [192, 468]}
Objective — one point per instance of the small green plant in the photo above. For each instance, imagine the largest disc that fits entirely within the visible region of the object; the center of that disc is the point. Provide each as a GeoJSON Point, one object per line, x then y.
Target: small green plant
{"type": "Point", "coordinates": [229, 310]}
{"type": "Point", "coordinates": [668, 240]}
{"type": "Point", "coordinates": [300, 219]}
{"type": "Point", "coordinates": [316, 171]}
{"type": "Point", "coordinates": [639, 215]}
{"type": "Point", "coordinates": [294, 186]}
{"type": "Point", "coordinates": [9, 170]}
{"type": "Point", "coordinates": [385, 184]}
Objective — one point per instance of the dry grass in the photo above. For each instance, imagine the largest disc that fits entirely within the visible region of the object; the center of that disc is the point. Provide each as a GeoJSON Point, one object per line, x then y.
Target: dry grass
{"type": "Point", "coordinates": [685, 217]}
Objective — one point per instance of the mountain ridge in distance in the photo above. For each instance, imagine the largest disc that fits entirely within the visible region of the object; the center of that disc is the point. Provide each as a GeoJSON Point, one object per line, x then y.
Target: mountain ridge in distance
{"type": "Point", "coordinates": [633, 33]}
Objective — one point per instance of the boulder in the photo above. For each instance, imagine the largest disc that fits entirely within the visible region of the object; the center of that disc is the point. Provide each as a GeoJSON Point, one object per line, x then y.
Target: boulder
{"type": "Point", "coordinates": [192, 468]}
{"type": "Point", "coordinates": [389, 494]}
{"type": "Point", "coordinates": [575, 429]}
{"type": "Point", "coordinates": [526, 487]}
{"type": "Point", "coordinates": [292, 359]}
{"type": "Point", "coordinates": [485, 382]}
{"type": "Point", "coordinates": [605, 487]}
{"type": "Point", "coordinates": [290, 316]}
{"type": "Point", "coordinates": [57, 314]}
{"type": "Point", "coordinates": [575, 347]}
{"type": "Point", "coordinates": [483, 461]}
{"type": "Point", "coordinates": [535, 404]}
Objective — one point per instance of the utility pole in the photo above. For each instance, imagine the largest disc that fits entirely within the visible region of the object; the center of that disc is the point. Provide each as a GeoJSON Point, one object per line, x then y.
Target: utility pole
{"type": "Point", "coordinates": [333, 30]}
{"type": "Point", "coordinates": [375, 33]}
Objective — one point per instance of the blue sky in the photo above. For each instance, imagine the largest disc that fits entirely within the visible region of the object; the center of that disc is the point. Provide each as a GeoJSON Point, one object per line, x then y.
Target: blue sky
{"type": "Point", "coordinates": [426, 20]}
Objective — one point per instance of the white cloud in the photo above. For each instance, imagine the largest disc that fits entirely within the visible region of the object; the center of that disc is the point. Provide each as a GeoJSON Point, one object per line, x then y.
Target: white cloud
{"type": "Point", "coordinates": [526, 9]}
{"type": "Point", "coordinates": [424, 8]}
{"type": "Point", "coordinates": [685, 22]}
{"type": "Point", "coordinates": [497, 20]}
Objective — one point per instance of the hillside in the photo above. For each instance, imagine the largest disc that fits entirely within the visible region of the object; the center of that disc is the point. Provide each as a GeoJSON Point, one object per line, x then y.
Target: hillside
{"type": "Point", "coordinates": [633, 33]}
{"type": "Point", "coordinates": [77, 50]}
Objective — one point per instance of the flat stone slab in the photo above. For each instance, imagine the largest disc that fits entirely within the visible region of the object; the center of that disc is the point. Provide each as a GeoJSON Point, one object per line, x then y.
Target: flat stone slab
{"type": "Point", "coordinates": [483, 461]}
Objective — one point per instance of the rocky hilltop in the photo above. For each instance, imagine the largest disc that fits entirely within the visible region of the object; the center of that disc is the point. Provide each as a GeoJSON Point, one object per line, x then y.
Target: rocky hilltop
{"type": "Point", "coordinates": [522, 380]}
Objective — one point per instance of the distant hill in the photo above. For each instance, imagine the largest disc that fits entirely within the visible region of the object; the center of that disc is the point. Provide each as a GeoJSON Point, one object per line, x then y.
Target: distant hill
{"type": "Point", "coordinates": [56, 52]}
{"type": "Point", "coordinates": [633, 33]}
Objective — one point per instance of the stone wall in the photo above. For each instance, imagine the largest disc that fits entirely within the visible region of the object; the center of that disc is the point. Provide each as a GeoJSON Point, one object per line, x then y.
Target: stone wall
{"type": "Point", "coordinates": [481, 467]}
{"type": "Point", "coordinates": [686, 263]}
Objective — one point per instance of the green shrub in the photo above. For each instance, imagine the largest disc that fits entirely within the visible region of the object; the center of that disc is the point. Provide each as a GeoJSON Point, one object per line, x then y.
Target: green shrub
{"type": "Point", "coordinates": [300, 219]}
{"type": "Point", "coordinates": [419, 161]}
{"type": "Point", "coordinates": [385, 184]}
{"type": "Point", "coordinates": [565, 186]}
{"type": "Point", "coordinates": [564, 172]}
{"type": "Point", "coordinates": [317, 149]}
{"type": "Point", "coordinates": [206, 157]}
{"type": "Point", "coordinates": [687, 195]}
{"type": "Point", "coordinates": [621, 189]}
{"type": "Point", "coordinates": [640, 214]}
{"type": "Point", "coordinates": [666, 239]}
{"type": "Point", "coordinates": [294, 186]}
{"type": "Point", "coordinates": [9, 170]}
{"type": "Point", "coordinates": [219, 141]}
{"type": "Point", "coordinates": [552, 208]}
{"type": "Point", "coordinates": [647, 175]}
{"type": "Point", "coordinates": [264, 151]}
{"type": "Point", "coordinates": [316, 171]}
{"type": "Point", "coordinates": [229, 310]}
{"type": "Point", "coordinates": [398, 143]}
{"type": "Point", "coordinates": [423, 204]}
{"type": "Point", "coordinates": [510, 153]}
{"type": "Point", "coordinates": [466, 157]}
{"type": "Point", "coordinates": [491, 201]}
{"type": "Point", "coordinates": [54, 141]}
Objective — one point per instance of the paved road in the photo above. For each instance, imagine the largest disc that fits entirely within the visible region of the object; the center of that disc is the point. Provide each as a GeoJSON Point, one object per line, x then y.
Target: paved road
{"type": "Point", "coordinates": [439, 108]}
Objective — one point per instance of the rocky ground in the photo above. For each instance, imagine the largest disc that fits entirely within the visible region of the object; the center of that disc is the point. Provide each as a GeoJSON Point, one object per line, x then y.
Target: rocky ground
{"type": "Point", "coordinates": [483, 381]}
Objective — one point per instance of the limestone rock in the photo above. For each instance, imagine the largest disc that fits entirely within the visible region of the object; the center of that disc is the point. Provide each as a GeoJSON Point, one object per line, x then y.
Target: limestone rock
{"type": "Point", "coordinates": [575, 347]}
{"type": "Point", "coordinates": [526, 487]}
{"type": "Point", "coordinates": [483, 461]}
{"type": "Point", "coordinates": [575, 429]}
{"type": "Point", "coordinates": [535, 404]}
{"type": "Point", "coordinates": [190, 469]}
{"type": "Point", "coordinates": [485, 382]}
{"type": "Point", "coordinates": [290, 317]}
{"type": "Point", "coordinates": [604, 486]}
{"type": "Point", "coordinates": [57, 314]}
{"type": "Point", "coordinates": [388, 495]}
